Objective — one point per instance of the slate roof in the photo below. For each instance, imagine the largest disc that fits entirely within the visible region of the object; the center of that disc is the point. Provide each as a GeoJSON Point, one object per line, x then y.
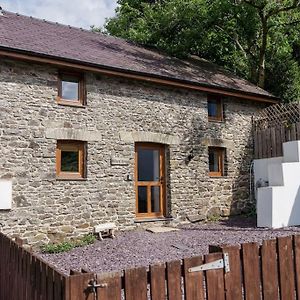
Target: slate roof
{"type": "Point", "coordinates": [43, 38]}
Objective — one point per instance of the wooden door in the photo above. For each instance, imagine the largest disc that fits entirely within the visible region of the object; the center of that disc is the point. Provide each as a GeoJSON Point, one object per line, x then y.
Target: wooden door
{"type": "Point", "coordinates": [150, 180]}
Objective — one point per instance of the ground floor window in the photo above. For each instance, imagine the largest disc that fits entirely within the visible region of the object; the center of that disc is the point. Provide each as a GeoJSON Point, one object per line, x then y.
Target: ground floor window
{"type": "Point", "coordinates": [216, 158]}
{"type": "Point", "coordinates": [70, 159]}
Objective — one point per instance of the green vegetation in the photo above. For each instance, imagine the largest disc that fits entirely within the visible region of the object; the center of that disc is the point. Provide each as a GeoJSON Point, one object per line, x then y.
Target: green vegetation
{"type": "Point", "coordinates": [256, 39]}
{"type": "Point", "coordinates": [67, 246]}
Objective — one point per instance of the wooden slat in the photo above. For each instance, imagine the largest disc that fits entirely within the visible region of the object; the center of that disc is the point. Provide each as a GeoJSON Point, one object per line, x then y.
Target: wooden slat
{"type": "Point", "coordinates": [278, 141]}
{"type": "Point", "coordinates": [298, 131]}
{"type": "Point", "coordinates": [79, 287]}
{"type": "Point", "coordinates": [193, 282]}
{"type": "Point", "coordinates": [174, 280]}
{"type": "Point", "coordinates": [269, 270]}
{"type": "Point", "coordinates": [50, 284]}
{"type": "Point", "coordinates": [250, 253]}
{"type": "Point", "coordinates": [113, 288]}
{"type": "Point", "coordinates": [273, 142]}
{"type": "Point", "coordinates": [286, 268]}
{"type": "Point", "coordinates": [256, 153]}
{"type": "Point", "coordinates": [233, 279]}
{"type": "Point", "coordinates": [57, 286]}
{"type": "Point", "coordinates": [214, 279]}
{"type": "Point", "coordinates": [260, 145]}
{"type": "Point", "coordinates": [293, 132]}
{"type": "Point", "coordinates": [136, 284]}
{"type": "Point", "coordinates": [268, 143]}
{"type": "Point", "coordinates": [157, 282]}
{"type": "Point", "coordinates": [297, 263]}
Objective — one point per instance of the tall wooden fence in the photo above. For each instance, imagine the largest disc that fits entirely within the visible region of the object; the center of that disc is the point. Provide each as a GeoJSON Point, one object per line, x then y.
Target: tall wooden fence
{"type": "Point", "coordinates": [269, 271]}
{"type": "Point", "coordinates": [268, 142]}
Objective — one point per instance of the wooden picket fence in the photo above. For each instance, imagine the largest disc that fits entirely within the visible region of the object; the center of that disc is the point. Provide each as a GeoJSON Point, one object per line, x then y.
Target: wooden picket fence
{"type": "Point", "coordinates": [268, 142]}
{"type": "Point", "coordinates": [269, 271]}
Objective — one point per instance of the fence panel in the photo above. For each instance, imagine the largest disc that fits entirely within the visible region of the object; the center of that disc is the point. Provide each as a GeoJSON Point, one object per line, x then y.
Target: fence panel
{"type": "Point", "coordinates": [269, 270]}
{"type": "Point", "coordinates": [136, 284]}
{"type": "Point", "coordinates": [174, 280]}
{"type": "Point", "coordinates": [286, 268]}
{"type": "Point", "coordinates": [112, 286]}
{"type": "Point", "coordinates": [251, 268]}
{"type": "Point", "coordinates": [193, 282]}
{"type": "Point", "coordinates": [214, 279]}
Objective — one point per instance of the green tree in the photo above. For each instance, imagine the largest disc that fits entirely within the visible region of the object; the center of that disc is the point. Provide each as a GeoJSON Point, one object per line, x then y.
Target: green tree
{"type": "Point", "coordinates": [256, 39]}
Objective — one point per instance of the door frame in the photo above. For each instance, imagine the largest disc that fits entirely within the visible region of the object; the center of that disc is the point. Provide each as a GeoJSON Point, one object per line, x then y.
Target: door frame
{"type": "Point", "coordinates": [161, 183]}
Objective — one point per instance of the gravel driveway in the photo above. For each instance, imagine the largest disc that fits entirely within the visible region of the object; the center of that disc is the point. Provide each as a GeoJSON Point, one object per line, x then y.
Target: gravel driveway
{"type": "Point", "coordinates": [142, 248]}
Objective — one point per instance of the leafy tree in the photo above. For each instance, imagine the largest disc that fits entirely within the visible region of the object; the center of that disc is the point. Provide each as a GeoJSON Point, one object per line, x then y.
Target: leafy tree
{"type": "Point", "coordinates": [257, 39]}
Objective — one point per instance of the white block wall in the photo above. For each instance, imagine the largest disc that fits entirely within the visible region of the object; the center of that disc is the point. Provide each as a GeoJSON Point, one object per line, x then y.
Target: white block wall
{"type": "Point", "coordinates": [278, 204]}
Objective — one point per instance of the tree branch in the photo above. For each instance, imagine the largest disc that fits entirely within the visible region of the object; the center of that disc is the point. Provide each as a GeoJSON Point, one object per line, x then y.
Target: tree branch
{"type": "Point", "coordinates": [296, 3]}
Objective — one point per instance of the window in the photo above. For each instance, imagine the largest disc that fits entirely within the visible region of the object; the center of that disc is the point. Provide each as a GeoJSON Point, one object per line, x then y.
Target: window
{"type": "Point", "coordinates": [215, 108]}
{"type": "Point", "coordinates": [70, 159]}
{"type": "Point", "coordinates": [71, 89]}
{"type": "Point", "coordinates": [216, 161]}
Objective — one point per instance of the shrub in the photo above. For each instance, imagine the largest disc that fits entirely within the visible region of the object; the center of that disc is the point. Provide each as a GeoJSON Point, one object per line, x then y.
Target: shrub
{"type": "Point", "coordinates": [67, 246]}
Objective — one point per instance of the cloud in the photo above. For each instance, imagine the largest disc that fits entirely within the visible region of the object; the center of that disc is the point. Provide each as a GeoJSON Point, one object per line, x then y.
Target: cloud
{"type": "Point", "coordinates": [77, 13]}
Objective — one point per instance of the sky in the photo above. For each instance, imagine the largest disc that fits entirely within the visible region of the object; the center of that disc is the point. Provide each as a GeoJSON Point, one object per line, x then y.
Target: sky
{"type": "Point", "coordinates": [78, 13]}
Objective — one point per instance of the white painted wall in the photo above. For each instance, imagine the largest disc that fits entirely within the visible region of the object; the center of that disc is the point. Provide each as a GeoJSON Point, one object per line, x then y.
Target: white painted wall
{"type": "Point", "coordinates": [278, 204]}
{"type": "Point", "coordinates": [5, 194]}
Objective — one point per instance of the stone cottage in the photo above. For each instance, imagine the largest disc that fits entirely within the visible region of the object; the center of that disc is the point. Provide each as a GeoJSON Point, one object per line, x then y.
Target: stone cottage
{"type": "Point", "coordinates": [96, 129]}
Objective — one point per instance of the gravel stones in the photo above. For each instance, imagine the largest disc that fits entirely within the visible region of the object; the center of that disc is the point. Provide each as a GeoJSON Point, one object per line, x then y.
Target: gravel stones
{"type": "Point", "coordinates": [141, 248]}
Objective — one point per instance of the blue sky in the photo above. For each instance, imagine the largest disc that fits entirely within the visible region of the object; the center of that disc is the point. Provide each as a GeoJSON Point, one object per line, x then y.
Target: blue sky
{"type": "Point", "coordinates": [79, 13]}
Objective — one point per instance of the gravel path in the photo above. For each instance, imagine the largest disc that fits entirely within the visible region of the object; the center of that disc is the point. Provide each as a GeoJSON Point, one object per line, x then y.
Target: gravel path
{"type": "Point", "coordinates": [142, 248]}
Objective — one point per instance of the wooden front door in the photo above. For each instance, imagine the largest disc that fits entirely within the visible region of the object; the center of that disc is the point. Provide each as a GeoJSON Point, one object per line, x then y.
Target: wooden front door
{"type": "Point", "coordinates": [150, 180]}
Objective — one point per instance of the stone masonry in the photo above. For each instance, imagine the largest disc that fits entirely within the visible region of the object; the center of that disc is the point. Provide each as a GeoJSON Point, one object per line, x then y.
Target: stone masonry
{"type": "Point", "coordinates": [118, 113]}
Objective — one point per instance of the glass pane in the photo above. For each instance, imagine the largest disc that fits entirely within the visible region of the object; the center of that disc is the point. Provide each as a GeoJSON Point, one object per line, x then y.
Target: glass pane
{"type": "Point", "coordinates": [155, 198]}
{"type": "Point", "coordinates": [70, 161]}
{"type": "Point", "coordinates": [142, 199]}
{"type": "Point", "coordinates": [70, 89]}
{"type": "Point", "coordinates": [148, 165]}
{"type": "Point", "coordinates": [212, 107]}
{"type": "Point", "coordinates": [213, 161]}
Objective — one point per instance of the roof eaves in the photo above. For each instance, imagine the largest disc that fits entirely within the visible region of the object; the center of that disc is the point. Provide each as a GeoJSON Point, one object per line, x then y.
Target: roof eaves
{"type": "Point", "coordinates": [121, 71]}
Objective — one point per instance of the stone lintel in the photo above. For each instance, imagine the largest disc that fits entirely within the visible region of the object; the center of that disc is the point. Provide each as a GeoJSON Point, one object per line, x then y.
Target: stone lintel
{"type": "Point", "coordinates": [73, 134]}
{"type": "Point", "coordinates": [210, 142]}
{"type": "Point", "coordinates": [150, 137]}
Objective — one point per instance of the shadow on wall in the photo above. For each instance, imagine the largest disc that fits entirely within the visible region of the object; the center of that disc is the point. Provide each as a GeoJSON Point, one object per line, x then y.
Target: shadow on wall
{"type": "Point", "coordinates": [243, 202]}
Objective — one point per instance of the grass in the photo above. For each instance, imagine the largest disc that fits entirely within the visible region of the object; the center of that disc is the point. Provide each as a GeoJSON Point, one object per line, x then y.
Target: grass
{"type": "Point", "coordinates": [67, 246]}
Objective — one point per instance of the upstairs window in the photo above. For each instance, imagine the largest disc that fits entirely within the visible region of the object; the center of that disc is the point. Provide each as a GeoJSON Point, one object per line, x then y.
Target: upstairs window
{"type": "Point", "coordinates": [216, 161]}
{"type": "Point", "coordinates": [70, 159]}
{"type": "Point", "coordinates": [71, 89]}
{"type": "Point", "coordinates": [215, 108]}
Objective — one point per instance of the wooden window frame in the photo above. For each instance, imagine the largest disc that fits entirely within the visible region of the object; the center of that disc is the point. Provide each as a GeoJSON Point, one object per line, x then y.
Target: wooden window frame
{"type": "Point", "coordinates": [81, 101]}
{"type": "Point", "coordinates": [79, 146]}
{"type": "Point", "coordinates": [149, 184]}
{"type": "Point", "coordinates": [221, 158]}
{"type": "Point", "coordinates": [220, 111]}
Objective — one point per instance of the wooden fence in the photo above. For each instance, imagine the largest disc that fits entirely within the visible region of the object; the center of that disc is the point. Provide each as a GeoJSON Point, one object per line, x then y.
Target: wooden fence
{"type": "Point", "coordinates": [268, 142]}
{"type": "Point", "coordinates": [269, 271]}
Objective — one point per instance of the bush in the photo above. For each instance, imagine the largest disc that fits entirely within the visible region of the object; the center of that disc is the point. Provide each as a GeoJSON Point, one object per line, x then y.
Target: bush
{"type": "Point", "coordinates": [67, 246]}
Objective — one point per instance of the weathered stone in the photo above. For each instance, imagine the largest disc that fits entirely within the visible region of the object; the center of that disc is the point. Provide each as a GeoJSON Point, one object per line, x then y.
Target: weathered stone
{"type": "Point", "coordinates": [117, 115]}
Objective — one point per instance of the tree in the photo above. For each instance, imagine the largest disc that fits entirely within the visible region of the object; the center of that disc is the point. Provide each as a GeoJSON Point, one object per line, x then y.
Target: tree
{"type": "Point", "coordinates": [256, 39]}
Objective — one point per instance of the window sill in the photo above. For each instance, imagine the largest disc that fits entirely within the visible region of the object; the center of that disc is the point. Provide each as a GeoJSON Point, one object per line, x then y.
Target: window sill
{"type": "Point", "coordinates": [71, 103]}
{"type": "Point", "coordinates": [70, 179]}
{"type": "Point", "coordinates": [211, 120]}
{"type": "Point", "coordinates": [152, 219]}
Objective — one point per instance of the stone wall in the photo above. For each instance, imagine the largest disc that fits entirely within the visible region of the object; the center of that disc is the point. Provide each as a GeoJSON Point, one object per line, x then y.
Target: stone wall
{"type": "Point", "coordinates": [117, 112]}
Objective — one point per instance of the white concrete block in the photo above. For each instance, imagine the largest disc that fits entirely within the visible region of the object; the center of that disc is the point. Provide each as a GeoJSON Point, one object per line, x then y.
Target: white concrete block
{"type": "Point", "coordinates": [5, 194]}
{"type": "Point", "coordinates": [291, 151]}
{"type": "Point", "coordinates": [275, 174]}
